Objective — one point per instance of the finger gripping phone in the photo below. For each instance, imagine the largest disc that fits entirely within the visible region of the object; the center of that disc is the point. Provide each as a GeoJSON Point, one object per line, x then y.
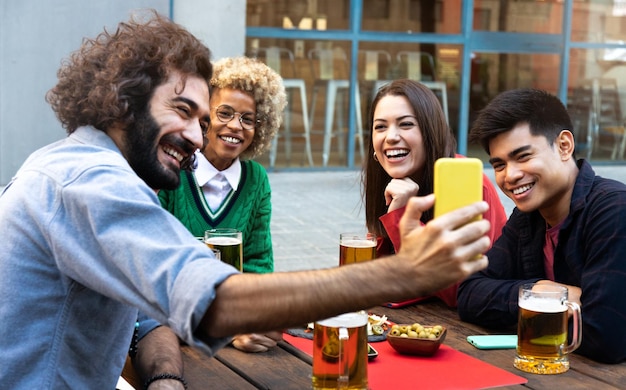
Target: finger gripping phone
{"type": "Point", "coordinates": [458, 183]}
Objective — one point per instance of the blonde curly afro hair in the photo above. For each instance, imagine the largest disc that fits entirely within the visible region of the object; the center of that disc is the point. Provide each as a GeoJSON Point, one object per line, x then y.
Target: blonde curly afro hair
{"type": "Point", "coordinates": [265, 86]}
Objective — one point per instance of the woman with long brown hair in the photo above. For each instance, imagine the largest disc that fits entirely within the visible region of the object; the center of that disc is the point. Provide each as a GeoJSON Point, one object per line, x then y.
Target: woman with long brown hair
{"type": "Point", "coordinates": [409, 133]}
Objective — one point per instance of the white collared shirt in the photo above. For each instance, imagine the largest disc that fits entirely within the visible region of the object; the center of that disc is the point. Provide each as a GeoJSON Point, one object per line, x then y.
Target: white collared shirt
{"type": "Point", "coordinates": [216, 185]}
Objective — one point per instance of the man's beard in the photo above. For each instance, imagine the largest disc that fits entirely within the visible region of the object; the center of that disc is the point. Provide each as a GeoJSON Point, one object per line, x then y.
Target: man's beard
{"type": "Point", "coordinates": [142, 153]}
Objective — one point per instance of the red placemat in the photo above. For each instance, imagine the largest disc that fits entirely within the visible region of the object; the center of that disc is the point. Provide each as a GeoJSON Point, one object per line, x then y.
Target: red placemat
{"type": "Point", "coordinates": [447, 369]}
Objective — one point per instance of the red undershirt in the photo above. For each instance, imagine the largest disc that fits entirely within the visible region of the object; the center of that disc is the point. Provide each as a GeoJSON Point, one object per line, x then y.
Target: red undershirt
{"type": "Point", "coordinates": [552, 238]}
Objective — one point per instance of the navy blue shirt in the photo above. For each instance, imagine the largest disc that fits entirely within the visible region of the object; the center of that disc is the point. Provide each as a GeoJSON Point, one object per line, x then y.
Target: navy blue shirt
{"type": "Point", "coordinates": [590, 254]}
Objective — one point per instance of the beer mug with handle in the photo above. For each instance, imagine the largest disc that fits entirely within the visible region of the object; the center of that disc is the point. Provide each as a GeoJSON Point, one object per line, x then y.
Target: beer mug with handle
{"type": "Point", "coordinates": [542, 329]}
{"type": "Point", "coordinates": [340, 352]}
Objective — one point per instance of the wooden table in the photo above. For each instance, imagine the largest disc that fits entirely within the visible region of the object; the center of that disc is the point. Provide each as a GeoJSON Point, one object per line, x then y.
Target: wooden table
{"type": "Point", "coordinates": [288, 368]}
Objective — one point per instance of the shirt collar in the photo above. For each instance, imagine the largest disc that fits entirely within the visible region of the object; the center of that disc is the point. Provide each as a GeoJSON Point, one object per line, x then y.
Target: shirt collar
{"type": "Point", "coordinates": [206, 171]}
{"type": "Point", "coordinates": [92, 136]}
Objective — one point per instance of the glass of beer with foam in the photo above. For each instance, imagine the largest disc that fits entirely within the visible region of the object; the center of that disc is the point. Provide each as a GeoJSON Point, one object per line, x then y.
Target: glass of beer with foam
{"type": "Point", "coordinates": [340, 352]}
{"type": "Point", "coordinates": [229, 243]}
{"type": "Point", "coordinates": [356, 247]}
{"type": "Point", "coordinates": [542, 329]}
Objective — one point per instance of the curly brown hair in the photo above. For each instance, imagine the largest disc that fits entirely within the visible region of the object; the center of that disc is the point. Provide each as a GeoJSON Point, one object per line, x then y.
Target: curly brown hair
{"type": "Point", "coordinates": [112, 77]}
{"type": "Point", "coordinates": [265, 86]}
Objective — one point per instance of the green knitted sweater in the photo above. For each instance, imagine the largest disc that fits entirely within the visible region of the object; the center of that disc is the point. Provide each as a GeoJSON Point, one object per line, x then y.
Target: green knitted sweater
{"type": "Point", "coordinates": [248, 209]}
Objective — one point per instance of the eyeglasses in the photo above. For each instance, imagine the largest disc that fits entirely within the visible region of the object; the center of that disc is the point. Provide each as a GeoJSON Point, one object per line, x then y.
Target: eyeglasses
{"type": "Point", "coordinates": [226, 114]}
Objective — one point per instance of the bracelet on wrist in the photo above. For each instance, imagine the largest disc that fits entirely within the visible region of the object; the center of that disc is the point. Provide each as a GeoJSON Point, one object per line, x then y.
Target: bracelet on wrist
{"type": "Point", "coordinates": [165, 376]}
{"type": "Point", "coordinates": [132, 351]}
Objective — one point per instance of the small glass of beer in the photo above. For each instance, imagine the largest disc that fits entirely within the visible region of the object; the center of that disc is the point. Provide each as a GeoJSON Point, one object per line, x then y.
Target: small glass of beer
{"type": "Point", "coordinates": [340, 352]}
{"type": "Point", "coordinates": [229, 243]}
{"type": "Point", "coordinates": [542, 329]}
{"type": "Point", "coordinates": [356, 247]}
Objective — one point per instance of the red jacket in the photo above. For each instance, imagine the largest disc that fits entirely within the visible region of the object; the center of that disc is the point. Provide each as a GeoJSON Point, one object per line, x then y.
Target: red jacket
{"type": "Point", "coordinates": [496, 215]}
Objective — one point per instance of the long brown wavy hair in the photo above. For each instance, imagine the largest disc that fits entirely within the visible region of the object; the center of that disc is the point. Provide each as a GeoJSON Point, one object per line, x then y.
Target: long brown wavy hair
{"type": "Point", "coordinates": [111, 78]}
{"type": "Point", "coordinates": [438, 142]}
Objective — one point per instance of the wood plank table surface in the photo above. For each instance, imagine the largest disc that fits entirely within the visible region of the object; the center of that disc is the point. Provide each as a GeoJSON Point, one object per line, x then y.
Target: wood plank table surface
{"type": "Point", "coordinates": [286, 367]}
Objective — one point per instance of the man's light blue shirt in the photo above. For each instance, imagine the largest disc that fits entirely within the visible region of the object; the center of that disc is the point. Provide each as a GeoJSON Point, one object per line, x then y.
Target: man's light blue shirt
{"type": "Point", "coordinates": [84, 244]}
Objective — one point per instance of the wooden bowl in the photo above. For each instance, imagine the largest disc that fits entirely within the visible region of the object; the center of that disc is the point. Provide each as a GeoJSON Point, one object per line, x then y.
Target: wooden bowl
{"type": "Point", "coordinates": [416, 346]}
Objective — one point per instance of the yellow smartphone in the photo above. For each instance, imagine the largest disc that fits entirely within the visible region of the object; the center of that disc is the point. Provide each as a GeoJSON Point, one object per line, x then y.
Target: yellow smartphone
{"type": "Point", "coordinates": [458, 183]}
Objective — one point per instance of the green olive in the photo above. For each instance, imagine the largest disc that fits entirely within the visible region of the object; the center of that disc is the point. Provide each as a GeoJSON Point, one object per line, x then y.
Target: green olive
{"type": "Point", "coordinates": [416, 330]}
{"type": "Point", "coordinates": [377, 329]}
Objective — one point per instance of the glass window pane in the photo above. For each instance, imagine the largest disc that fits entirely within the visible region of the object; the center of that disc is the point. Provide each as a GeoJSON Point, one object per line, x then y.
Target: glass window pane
{"type": "Point", "coordinates": [299, 14]}
{"type": "Point", "coordinates": [316, 77]}
{"type": "Point", "coordinates": [597, 104]}
{"type": "Point", "coordinates": [492, 73]}
{"type": "Point", "coordinates": [412, 16]}
{"type": "Point", "coordinates": [599, 21]}
{"type": "Point", "coordinates": [437, 66]}
{"type": "Point", "coordinates": [530, 16]}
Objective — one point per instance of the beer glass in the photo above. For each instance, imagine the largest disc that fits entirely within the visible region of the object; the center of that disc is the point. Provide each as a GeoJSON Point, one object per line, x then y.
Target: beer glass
{"type": "Point", "coordinates": [542, 329]}
{"type": "Point", "coordinates": [229, 242]}
{"type": "Point", "coordinates": [356, 247]}
{"type": "Point", "coordinates": [340, 352]}
{"type": "Point", "coordinates": [216, 252]}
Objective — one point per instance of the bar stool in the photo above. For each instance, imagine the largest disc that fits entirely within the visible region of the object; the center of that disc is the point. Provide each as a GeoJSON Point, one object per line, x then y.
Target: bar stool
{"type": "Point", "coordinates": [417, 65]}
{"type": "Point", "coordinates": [608, 127]}
{"type": "Point", "coordinates": [439, 86]}
{"type": "Point", "coordinates": [412, 63]}
{"type": "Point", "coordinates": [374, 67]}
{"type": "Point", "coordinates": [273, 57]}
{"type": "Point", "coordinates": [323, 68]}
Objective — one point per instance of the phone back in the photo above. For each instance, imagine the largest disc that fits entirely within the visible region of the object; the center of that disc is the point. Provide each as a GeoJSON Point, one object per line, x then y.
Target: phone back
{"type": "Point", "coordinates": [458, 183]}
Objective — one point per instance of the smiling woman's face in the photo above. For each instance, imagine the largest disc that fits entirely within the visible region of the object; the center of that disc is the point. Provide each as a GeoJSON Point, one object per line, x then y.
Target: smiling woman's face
{"type": "Point", "coordinates": [226, 141]}
{"type": "Point", "coordinates": [397, 138]}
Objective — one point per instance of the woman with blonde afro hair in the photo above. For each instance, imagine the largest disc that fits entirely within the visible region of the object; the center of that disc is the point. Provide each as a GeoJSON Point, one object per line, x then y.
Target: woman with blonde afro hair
{"type": "Point", "coordinates": [228, 189]}
{"type": "Point", "coordinates": [265, 86]}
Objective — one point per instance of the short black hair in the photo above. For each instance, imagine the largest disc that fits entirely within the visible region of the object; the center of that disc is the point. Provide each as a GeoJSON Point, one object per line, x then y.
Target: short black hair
{"type": "Point", "coordinates": [545, 114]}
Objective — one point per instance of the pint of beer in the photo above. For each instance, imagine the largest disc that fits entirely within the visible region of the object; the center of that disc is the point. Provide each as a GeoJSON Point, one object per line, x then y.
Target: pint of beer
{"type": "Point", "coordinates": [542, 329]}
{"type": "Point", "coordinates": [340, 352]}
{"type": "Point", "coordinates": [229, 242]}
{"type": "Point", "coordinates": [354, 247]}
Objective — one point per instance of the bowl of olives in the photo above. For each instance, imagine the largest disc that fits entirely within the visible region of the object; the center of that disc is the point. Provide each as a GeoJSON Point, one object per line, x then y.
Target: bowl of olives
{"type": "Point", "coordinates": [416, 339]}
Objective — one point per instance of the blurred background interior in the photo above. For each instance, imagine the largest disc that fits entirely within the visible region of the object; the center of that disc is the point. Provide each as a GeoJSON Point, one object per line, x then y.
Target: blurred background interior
{"type": "Point", "coordinates": [334, 54]}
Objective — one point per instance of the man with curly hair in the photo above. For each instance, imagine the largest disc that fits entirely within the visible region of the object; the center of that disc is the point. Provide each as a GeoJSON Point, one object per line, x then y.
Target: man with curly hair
{"type": "Point", "coordinates": [86, 244]}
{"type": "Point", "coordinates": [228, 189]}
